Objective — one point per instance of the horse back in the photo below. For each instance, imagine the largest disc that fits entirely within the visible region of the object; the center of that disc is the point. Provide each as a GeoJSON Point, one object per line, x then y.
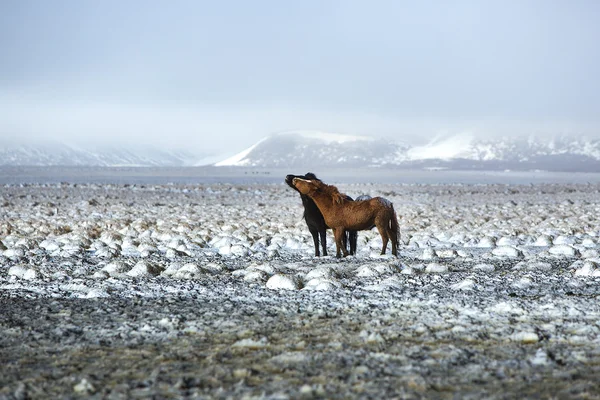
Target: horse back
{"type": "Point", "coordinates": [383, 202]}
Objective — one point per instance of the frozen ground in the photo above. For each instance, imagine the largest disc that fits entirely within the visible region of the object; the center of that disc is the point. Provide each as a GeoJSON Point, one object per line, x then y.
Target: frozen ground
{"type": "Point", "coordinates": [210, 291]}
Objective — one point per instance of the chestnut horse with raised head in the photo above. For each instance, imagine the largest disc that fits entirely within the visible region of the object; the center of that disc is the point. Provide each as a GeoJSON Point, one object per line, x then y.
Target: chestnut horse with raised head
{"type": "Point", "coordinates": [315, 221]}
{"type": "Point", "coordinates": [342, 215]}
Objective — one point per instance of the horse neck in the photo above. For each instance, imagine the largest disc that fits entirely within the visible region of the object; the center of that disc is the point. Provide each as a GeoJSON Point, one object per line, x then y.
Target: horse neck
{"type": "Point", "coordinates": [323, 201]}
{"type": "Point", "coordinates": [306, 200]}
{"type": "Point", "coordinates": [309, 204]}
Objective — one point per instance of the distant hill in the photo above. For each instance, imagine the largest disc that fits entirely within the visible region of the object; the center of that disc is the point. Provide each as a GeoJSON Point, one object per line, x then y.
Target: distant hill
{"type": "Point", "coordinates": [322, 149]}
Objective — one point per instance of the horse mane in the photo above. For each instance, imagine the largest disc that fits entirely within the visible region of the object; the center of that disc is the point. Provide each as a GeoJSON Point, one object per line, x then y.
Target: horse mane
{"type": "Point", "coordinates": [330, 190]}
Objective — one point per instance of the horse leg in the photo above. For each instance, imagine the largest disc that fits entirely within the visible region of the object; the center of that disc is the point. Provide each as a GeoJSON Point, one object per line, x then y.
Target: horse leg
{"type": "Point", "coordinates": [337, 247]}
{"type": "Point", "coordinates": [389, 233]}
{"type": "Point", "coordinates": [323, 234]}
{"type": "Point", "coordinates": [339, 233]}
{"type": "Point", "coordinates": [315, 236]}
{"type": "Point", "coordinates": [384, 237]}
{"type": "Point", "coordinates": [352, 237]}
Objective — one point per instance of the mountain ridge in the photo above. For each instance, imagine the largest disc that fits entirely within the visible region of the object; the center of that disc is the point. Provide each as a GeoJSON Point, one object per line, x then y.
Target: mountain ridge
{"type": "Point", "coordinates": [315, 149]}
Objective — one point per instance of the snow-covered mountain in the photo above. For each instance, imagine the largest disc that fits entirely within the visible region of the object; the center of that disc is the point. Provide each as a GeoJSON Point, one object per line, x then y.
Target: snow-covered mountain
{"type": "Point", "coordinates": [303, 148]}
{"type": "Point", "coordinates": [463, 151]}
{"type": "Point", "coordinates": [49, 153]}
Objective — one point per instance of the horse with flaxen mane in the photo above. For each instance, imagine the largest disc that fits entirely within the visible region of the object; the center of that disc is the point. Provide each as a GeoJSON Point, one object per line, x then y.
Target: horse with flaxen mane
{"type": "Point", "coordinates": [342, 215]}
{"type": "Point", "coordinates": [315, 221]}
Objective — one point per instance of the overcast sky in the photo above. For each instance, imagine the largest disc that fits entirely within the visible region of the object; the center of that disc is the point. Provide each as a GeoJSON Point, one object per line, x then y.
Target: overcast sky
{"type": "Point", "coordinates": [220, 75]}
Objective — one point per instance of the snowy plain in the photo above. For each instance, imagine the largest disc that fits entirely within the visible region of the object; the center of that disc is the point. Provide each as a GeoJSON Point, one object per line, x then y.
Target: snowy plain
{"type": "Point", "coordinates": [211, 290]}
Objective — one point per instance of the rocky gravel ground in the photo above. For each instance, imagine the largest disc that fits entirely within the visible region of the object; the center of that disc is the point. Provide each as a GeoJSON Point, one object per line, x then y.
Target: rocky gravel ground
{"type": "Point", "coordinates": [211, 291]}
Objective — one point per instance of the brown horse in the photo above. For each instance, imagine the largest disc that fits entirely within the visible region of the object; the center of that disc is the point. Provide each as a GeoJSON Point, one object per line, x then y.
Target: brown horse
{"type": "Point", "coordinates": [342, 215]}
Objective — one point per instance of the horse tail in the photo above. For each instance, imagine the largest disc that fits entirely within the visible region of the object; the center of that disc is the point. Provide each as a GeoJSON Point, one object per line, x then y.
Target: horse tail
{"type": "Point", "coordinates": [394, 225]}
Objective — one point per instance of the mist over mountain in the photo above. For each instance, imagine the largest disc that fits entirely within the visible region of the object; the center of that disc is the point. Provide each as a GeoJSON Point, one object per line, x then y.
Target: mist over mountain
{"type": "Point", "coordinates": [463, 151]}
{"type": "Point", "coordinates": [51, 153]}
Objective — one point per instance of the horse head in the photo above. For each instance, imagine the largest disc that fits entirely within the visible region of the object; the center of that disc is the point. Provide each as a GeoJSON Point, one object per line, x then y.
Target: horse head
{"type": "Point", "coordinates": [312, 186]}
{"type": "Point", "coordinates": [305, 186]}
{"type": "Point", "coordinates": [308, 176]}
